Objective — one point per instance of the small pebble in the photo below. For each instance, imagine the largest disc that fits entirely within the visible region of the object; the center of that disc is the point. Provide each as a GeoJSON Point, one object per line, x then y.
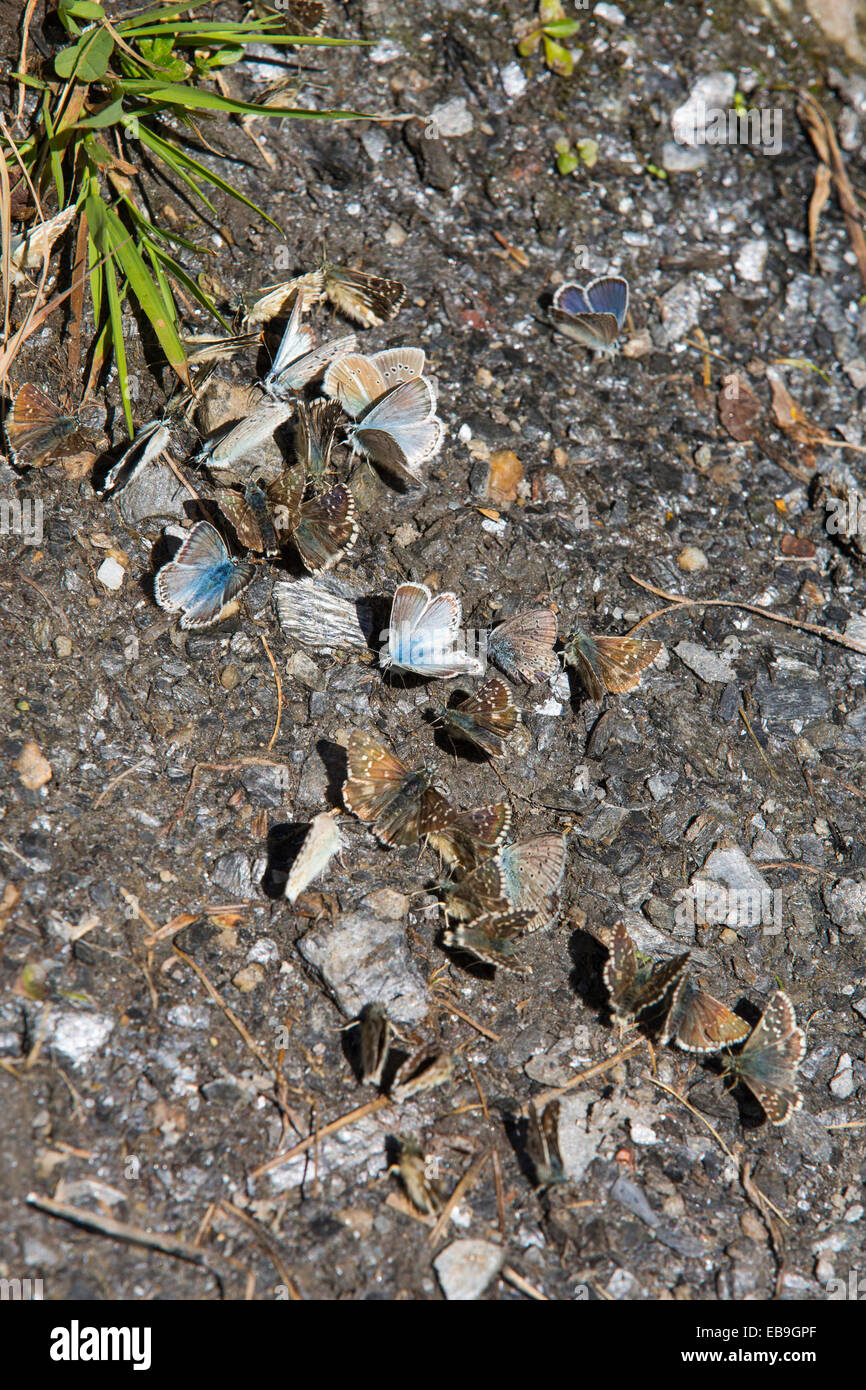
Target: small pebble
{"type": "Point", "coordinates": [466, 1267]}
{"type": "Point", "coordinates": [229, 677]}
{"type": "Point", "coordinates": [248, 978]}
{"type": "Point", "coordinates": [514, 80]}
{"type": "Point", "coordinates": [32, 767]}
{"type": "Point", "coordinates": [692, 559]}
{"type": "Point", "coordinates": [111, 574]}
{"type": "Point", "coordinates": [62, 646]}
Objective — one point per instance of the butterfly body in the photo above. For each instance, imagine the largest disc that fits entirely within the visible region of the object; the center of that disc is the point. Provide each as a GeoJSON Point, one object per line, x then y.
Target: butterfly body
{"type": "Point", "coordinates": [422, 632]}
{"type": "Point", "coordinates": [593, 315]}
{"type": "Point", "coordinates": [522, 646]}
{"type": "Point", "coordinates": [368, 299]}
{"type": "Point", "coordinates": [375, 1042]}
{"type": "Point", "coordinates": [381, 789]}
{"type": "Point", "coordinates": [297, 360]}
{"type": "Point", "coordinates": [38, 431]}
{"type": "Point", "coordinates": [521, 877]}
{"type": "Point", "coordinates": [698, 1023]}
{"type": "Point", "coordinates": [323, 840]}
{"type": "Point", "coordinates": [490, 938]}
{"type": "Point", "coordinates": [542, 1144]}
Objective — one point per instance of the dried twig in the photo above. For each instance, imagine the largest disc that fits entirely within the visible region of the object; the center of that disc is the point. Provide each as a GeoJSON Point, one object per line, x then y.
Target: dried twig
{"type": "Point", "coordinates": [467, 1181]}
{"type": "Point", "coordinates": [677, 601]}
{"type": "Point", "coordinates": [115, 781]}
{"type": "Point", "coordinates": [359, 1113]}
{"type": "Point", "coordinates": [517, 1281]}
{"type": "Point", "coordinates": [279, 691]}
{"type": "Point", "coordinates": [218, 1265]}
{"type": "Point", "coordinates": [541, 1100]}
{"type": "Point", "coordinates": [227, 1010]}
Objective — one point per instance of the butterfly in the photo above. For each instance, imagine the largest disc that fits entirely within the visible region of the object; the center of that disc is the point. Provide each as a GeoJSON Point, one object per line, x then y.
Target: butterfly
{"type": "Point", "coordinates": [381, 789]}
{"type": "Point", "coordinates": [423, 1070]}
{"type": "Point", "coordinates": [323, 840]}
{"type": "Point", "coordinates": [202, 579]}
{"type": "Point", "coordinates": [522, 646]}
{"type": "Point", "coordinates": [322, 528]}
{"type": "Point", "coordinates": [697, 1022]}
{"type": "Point", "coordinates": [27, 252]}
{"type": "Point", "coordinates": [275, 301]}
{"type": "Point", "coordinates": [305, 16]}
{"type": "Point", "coordinates": [393, 406]}
{"type": "Point", "coordinates": [248, 434]}
{"type": "Point", "coordinates": [375, 1042]}
{"type": "Point", "coordinates": [635, 985]}
{"type": "Point", "coordinates": [368, 299]}
{"type": "Point", "coordinates": [609, 663]}
{"type": "Point", "coordinates": [421, 1187]}
{"type": "Point", "coordinates": [542, 1144]}
{"type": "Point", "coordinates": [315, 433]}
{"type": "Point", "coordinates": [769, 1059]}
{"type": "Point", "coordinates": [593, 315]}
{"type": "Point", "coordinates": [422, 631]}
{"type": "Point", "coordinates": [37, 430]}
{"type": "Point", "coordinates": [209, 347]}
{"type": "Point", "coordinates": [297, 361]}
{"type": "Point", "coordinates": [490, 938]}
{"type": "Point", "coordinates": [464, 838]}
{"type": "Point", "coordinates": [149, 442]}
{"type": "Point", "coordinates": [319, 614]}
{"type": "Point", "coordinates": [486, 718]}
{"type": "Point", "coordinates": [521, 877]}
{"type": "Point", "coordinates": [356, 380]}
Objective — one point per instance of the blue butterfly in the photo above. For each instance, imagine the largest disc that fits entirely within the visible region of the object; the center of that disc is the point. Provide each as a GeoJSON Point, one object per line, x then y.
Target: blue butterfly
{"type": "Point", "coordinates": [202, 579]}
{"type": "Point", "coordinates": [422, 632]}
{"type": "Point", "coordinates": [593, 315]}
{"type": "Point", "coordinates": [298, 361]}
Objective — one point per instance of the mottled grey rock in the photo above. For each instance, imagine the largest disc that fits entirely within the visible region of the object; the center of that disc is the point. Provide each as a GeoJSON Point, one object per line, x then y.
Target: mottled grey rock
{"type": "Point", "coordinates": [729, 889]}
{"type": "Point", "coordinates": [452, 118]}
{"type": "Point", "coordinates": [680, 310]}
{"type": "Point", "coordinates": [710, 666]}
{"type": "Point", "coordinates": [360, 957]}
{"type": "Point", "coordinates": [465, 1268]}
{"type": "Point", "coordinates": [789, 702]}
{"type": "Point", "coordinates": [153, 492]}
{"type": "Point", "coordinates": [77, 1034]}
{"type": "Point", "coordinates": [265, 785]}
{"type": "Point", "coordinates": [846, 903]}
{"type": "Point", "coordinates": [711, 93]}
{"type": "Point", "coordinates": [233, 873]}
{"type": "Point", "coordinates": [842, 1084]}
{"type": "Point", "coordinates": [514, 80]}
{"type": "Point", "coordinates": [189, 1016]}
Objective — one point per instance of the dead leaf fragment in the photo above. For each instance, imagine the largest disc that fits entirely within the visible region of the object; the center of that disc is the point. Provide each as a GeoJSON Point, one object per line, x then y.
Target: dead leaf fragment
{"type": "Point", "coordinates": [739, 408]}
{"type": "Point", "coordinates": [506, 471]}
{"type": "Point", "coordinates": [33, 769]}
{"type": "Point", "coordinates": [798, 546]}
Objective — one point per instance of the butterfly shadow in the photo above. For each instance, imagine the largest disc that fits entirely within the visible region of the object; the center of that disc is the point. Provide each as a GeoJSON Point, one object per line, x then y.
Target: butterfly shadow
{"type": "Point", "coordinates": [335, 760]}
{"type": "Point", "coordinates": [284, 843]}
{"type": "Point", "coordinates": [588, 956]}
{"type": "Point", "coordinates": [517, 1133]}
{"type": "Point", "coordinates": [446, 742]}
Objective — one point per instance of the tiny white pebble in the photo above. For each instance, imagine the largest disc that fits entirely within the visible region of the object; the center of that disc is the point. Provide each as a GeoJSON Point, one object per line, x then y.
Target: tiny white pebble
{"type": "Point", "coordinates": [464, 434]}
{"type": "Point", "coordinates": [111, 574]}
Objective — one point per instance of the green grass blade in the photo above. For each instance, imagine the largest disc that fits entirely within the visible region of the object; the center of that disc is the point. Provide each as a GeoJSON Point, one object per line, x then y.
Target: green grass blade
{"type": "Point", "coordinates": [204, 172]}
{"type": "Point", "coordinates": [160, 316]}
{"type": "Point", "coordinates": [168, 154]}
{"type": "Point", "coordinates": [176, 94]}
{"type": "Point", "coordinates": [54, 154]}
{"type": "Point", "coordinates": [115, 318]}
{"type": "Point", "coordinates": [189, 284]}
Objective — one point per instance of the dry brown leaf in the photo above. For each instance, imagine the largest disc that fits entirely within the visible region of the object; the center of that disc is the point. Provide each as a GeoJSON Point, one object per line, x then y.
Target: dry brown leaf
{"type": "Point", "coordinates": [739, 408]}
{"type": "Point", "coordinates": [791, 417]}
{"type": "Point", "coordinates": [506, 471]}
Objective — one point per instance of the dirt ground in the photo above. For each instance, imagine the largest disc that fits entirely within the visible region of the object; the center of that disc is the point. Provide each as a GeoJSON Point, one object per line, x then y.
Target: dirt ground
{"type": "Point", "coordinates": [144, 1086]}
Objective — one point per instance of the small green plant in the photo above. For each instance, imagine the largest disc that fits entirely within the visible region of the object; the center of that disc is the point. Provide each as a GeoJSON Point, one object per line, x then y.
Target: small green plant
{"type": "Point", "coordinates": [126, 94]}
{"type": "Point", "coordinates": [548, 28]}
{"type": "Point", "coordinates": [567, 159]}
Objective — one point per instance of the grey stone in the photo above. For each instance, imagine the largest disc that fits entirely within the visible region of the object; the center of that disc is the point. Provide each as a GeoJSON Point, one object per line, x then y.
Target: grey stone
{"type": "Point", "coordinates": [189, 1016]}
{"type": "Point", "coordinates": [747, 898]}
{"type": "Point", "coordinates": [846, 903]}
{"type": "Point", "coordinates": [265, 785]}
{"type": "Point", "coordinates": [77, 1034]}
{"type": "Point", "coordinates": [360, 957]}
{"type": "Point", "coordinates": [752, 260]}
{"type": "Point", "coordinates": [682, 159]}
{"type": "Point", "coordinates": [465, 1268]}
{"type": "Point", "coordinates": [710, 666]}
{"type": "Point", "coordinates": [842, 1084]}
{"type": "Point", "coordinates": [680, 310]}
{"type": "Point", "coordinates": [452, 118]}
{"type": "Point", "coordinates": [514, 80]}
{"type": "Point", "coordinates": [233, 873]}
{"type": "Point", "coordinates": [153, 492]}
{"type": "Point", "coordinates": [789, 702]}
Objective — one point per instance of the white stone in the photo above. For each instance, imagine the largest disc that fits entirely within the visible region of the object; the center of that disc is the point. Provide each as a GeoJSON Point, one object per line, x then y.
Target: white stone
{"type": "Point", "coordinates": [709, 95]}
{"type": "Point", "coordinates": [77, 1034]}
{"type": "Point", "coordinates": [842, 1084]}
{"type": "Point", "coordinates": [514, 80]}
{"type": "Point", "coordinates": [752, 259]}
{"type": "Point", "coordinates": [610, 14]}
{"type": "Point", "coordinates": [710, 666]}
{"type": "Point", "coordinates": [452, 118]}
{"type": "Point", "coordinates": [111, 574]}
{"type": "Point", "coordinates": [465, 1268]}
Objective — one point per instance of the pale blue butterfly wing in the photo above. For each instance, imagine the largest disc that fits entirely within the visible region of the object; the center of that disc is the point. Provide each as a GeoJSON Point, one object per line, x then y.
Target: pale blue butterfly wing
{"type": "Point", "coordinates": [202, 579]}
{"type": "Point", "coordinates": [357, 381]}
{"type": "Point", "coordinates": [148, 444]}
{"type": "Point", "coordinates": [400, 430]}
{"type": "Point", "coordinates": [422, 633]}
{"type": "Point", "coordinates": [229, 446]}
